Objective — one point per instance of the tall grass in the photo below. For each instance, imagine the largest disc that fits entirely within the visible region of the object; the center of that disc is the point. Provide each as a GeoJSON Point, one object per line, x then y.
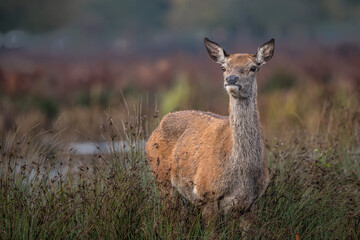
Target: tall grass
{"type": "Point", "coordinates": [314, 190]}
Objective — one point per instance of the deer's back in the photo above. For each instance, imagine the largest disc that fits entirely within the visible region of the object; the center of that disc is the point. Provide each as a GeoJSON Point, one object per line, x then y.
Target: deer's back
{"type": "Point", "coordinates": [189, 150]}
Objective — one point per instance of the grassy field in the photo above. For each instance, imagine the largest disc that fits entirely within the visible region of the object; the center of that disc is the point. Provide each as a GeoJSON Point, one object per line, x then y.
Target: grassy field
{"type": "Point", "coordinates": [314, 193]}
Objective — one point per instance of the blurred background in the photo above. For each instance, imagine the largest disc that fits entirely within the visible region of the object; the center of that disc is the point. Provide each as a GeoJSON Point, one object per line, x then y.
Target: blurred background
{"type": "Point", "coordinates": [69, 65]}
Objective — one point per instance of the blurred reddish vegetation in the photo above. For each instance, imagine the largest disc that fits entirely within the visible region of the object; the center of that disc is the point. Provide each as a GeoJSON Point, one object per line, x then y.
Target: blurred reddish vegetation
{"type": "Point", "coordinates": [47, 88]}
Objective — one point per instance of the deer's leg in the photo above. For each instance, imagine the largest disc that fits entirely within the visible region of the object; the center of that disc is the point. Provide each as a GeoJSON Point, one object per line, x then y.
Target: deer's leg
{"type": "Point", "coordinates": [249, 218]}
{"type": "Point", "coordinates": [168, 196]}
{"type": "Point", "coordinates": [210, 217]}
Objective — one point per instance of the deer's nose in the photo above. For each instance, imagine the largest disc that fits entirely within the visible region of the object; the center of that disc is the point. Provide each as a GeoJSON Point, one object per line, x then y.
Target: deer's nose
{"type": "Point", "coordinates": [232, 79]}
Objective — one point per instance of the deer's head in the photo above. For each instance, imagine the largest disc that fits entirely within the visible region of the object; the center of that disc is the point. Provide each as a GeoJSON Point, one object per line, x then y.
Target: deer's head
{"type": "Point", "coordinates": [240, 69]}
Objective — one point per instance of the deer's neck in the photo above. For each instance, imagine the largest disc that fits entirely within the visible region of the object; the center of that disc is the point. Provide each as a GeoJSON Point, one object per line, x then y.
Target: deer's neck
{"type": "Point", "coordinates": [246, 132]}
{"type": "Point", "coordinates": [246, 162]}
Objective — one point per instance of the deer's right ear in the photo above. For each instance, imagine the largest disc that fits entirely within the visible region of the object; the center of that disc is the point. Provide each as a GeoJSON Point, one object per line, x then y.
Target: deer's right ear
{"type": "Point", "coordinates": [216, 53]}
{"type": "Point", "coordinates": [265, 52]}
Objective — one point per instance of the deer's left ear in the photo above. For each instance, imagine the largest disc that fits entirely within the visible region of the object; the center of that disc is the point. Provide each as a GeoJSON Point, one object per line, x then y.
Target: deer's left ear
{"type": "Point", "coordinates": [215, 51]}
{"type": "Point", "coordinates": [265, 52]}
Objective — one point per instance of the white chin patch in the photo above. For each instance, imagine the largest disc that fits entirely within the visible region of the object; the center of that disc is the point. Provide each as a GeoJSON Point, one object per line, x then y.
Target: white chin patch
{"type": "Point", "coordinates": [232, 88]}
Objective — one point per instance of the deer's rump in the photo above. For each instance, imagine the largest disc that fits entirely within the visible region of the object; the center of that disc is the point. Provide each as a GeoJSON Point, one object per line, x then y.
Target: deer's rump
{"type": "Point", "coordinates": [189, 151]}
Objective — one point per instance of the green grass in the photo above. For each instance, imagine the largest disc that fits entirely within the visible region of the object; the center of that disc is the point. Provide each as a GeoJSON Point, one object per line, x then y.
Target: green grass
{"type": "Point", "coordinates": [314, 190]}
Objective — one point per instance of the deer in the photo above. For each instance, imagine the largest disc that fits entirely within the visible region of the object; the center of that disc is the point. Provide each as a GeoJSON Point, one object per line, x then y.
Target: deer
{"type": "Point", "coordinates": [215, 162]}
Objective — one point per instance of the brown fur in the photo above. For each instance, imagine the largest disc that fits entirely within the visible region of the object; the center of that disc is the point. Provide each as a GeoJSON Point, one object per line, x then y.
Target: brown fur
{"type": "Point", "coordinates": [214, 161]}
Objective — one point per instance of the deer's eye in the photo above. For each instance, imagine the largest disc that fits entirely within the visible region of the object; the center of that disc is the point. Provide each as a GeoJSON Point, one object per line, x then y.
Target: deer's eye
{"type": "Point", "coordinates": [223, 69]}
{"type": "Point", "coordinates": [253, 69]}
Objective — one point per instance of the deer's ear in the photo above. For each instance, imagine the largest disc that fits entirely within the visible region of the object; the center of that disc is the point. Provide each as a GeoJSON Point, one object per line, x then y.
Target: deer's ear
{"type": "Point", "coordinates": [215, 51]}
{"type": "Point", "coordinates": [265, 52]}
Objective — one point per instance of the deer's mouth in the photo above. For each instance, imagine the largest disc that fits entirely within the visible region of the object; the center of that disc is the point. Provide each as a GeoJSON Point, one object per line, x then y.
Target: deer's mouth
{"type": "Point", "coordinates": [236, 91]}
{"type": "Point", "coordinates": [234, 85]}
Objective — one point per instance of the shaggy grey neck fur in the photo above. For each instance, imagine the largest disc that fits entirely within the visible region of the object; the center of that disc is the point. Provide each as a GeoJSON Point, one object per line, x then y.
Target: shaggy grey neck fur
{"type": "Point", "coordinates": [246, 161]}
